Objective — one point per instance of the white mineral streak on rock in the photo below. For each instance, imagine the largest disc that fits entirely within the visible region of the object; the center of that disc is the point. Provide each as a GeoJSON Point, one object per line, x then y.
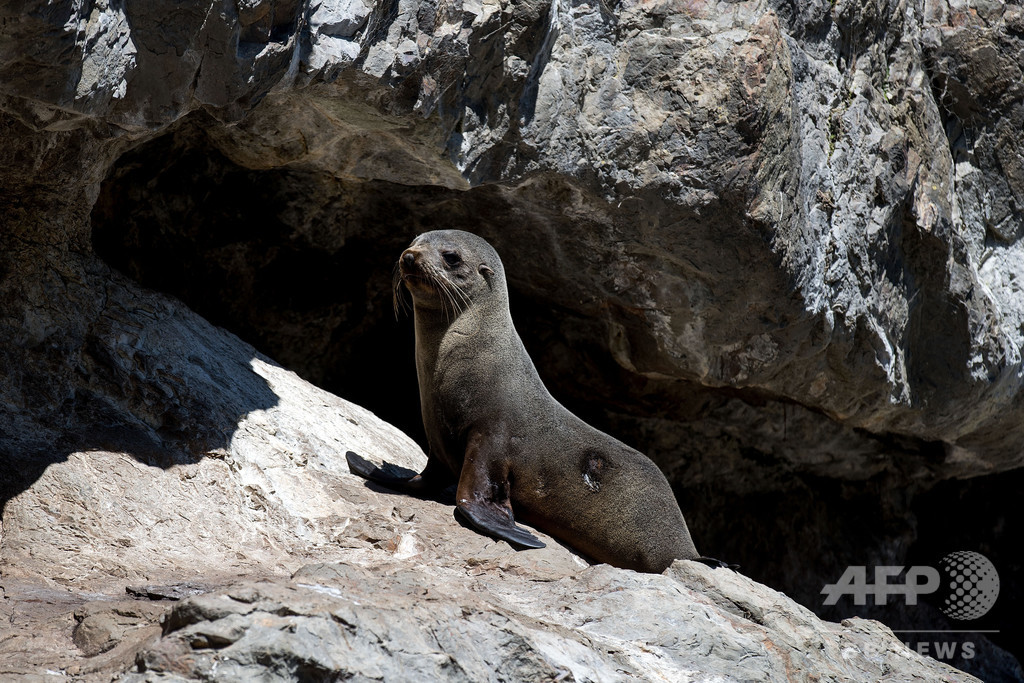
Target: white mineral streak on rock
{"type": "Point", "coordinates": [108, 53]}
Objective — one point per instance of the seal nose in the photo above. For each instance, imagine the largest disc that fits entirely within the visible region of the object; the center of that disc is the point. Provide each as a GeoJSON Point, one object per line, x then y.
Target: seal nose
{"type": "Point", "coordinates": [408, 258]}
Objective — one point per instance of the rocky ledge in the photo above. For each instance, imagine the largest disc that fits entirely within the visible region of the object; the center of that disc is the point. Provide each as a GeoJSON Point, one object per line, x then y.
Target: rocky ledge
{"type": "Point", "coordinates": [268, 561]}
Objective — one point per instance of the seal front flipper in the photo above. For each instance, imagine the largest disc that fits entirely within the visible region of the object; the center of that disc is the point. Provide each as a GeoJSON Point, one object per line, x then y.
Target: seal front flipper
{"type": "Point", "coordinates": [426, 484]}
{"type": "Point", "coordinates": [716, 564]}
{"type": "Point", "coordinates": [483, 497]}
{"type": "Point", "coordinates": [361, 467]}
{"type": "Point", "coordinates": [497, 522]}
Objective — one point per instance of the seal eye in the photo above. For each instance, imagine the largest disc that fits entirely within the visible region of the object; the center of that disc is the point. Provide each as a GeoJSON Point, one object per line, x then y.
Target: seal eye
{"type": "Point", "coordinates": [451, 259]}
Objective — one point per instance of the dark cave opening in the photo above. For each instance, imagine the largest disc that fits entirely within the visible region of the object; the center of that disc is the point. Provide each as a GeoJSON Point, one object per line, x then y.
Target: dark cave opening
{"type": "Point", "coordinates": [314, 294]}
{"type": "Point", "coordinates": [299, 264]}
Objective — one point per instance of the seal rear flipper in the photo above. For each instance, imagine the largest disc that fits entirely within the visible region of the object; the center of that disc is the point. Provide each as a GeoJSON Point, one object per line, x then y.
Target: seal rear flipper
{"type": "Point", "coordinates": [497, 522]}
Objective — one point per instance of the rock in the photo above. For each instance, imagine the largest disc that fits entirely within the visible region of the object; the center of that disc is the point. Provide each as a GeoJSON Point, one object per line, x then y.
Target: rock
{"type": "Point", "coordinates": [110, 635]}
{"type": "Point", "coordinates": [649, 194]}
{"type": "Point", "coordinates": [776, 247]}
{"type": "Point", "coordinates": [175, 591]}
{"type": "Point", "coordinates": [441, 623]}
{"type": "Point", "coordinates": [52, 631]}
{"type": "Point", "coordinates": [400, 587]}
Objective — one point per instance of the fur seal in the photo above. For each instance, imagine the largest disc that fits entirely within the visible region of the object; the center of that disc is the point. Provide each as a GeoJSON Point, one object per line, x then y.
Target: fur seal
{"type": "Point", "coordinates": [492, 425]}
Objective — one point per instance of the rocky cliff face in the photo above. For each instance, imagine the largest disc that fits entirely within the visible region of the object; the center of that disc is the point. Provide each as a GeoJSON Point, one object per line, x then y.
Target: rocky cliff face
{"type": "Point", "coordinates": [774, 245]}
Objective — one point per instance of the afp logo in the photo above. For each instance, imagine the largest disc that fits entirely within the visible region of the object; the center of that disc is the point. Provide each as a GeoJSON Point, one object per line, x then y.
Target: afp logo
{"type": "Point", "coordinates": [969, 585]}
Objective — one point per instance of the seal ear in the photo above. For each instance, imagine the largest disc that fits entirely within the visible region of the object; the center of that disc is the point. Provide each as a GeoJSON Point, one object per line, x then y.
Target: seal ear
{"type": "Point", "coordinates": [486, 271]}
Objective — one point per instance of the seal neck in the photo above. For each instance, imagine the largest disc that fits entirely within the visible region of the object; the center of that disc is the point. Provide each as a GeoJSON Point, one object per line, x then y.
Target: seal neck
{"type": "Point", "coordinates": [432, 324]}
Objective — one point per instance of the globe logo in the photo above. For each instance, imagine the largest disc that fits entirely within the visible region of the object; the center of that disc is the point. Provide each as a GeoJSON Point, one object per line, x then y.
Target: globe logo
{"type": "Point", "coordinates": [973, 585]}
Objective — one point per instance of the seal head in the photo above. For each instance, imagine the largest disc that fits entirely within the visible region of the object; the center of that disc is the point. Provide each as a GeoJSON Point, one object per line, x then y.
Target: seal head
{"type": "Point", "coordinates": [441, 273]}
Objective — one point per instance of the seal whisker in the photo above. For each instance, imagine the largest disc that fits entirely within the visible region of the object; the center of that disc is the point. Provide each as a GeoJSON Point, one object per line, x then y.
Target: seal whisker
{"type": "Point", "coordinates": [398, 302]}
{"type": "Point", "coordinates": [456, 309]}
{"type": "Point", "coordinates": [464, 300]}
{"type": "Point", "coordinates": [460, 300]}
{"type": "Point", "coordinates": [444, 290]}
{"type": "Point", "coordinates": [428, 275]}
{"type": "Point", "coordinates": [455, 296]}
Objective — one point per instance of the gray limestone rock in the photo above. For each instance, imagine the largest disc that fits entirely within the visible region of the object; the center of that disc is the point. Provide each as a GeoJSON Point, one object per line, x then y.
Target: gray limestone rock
{"type": "Point", "coordinates": [445, 624]}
